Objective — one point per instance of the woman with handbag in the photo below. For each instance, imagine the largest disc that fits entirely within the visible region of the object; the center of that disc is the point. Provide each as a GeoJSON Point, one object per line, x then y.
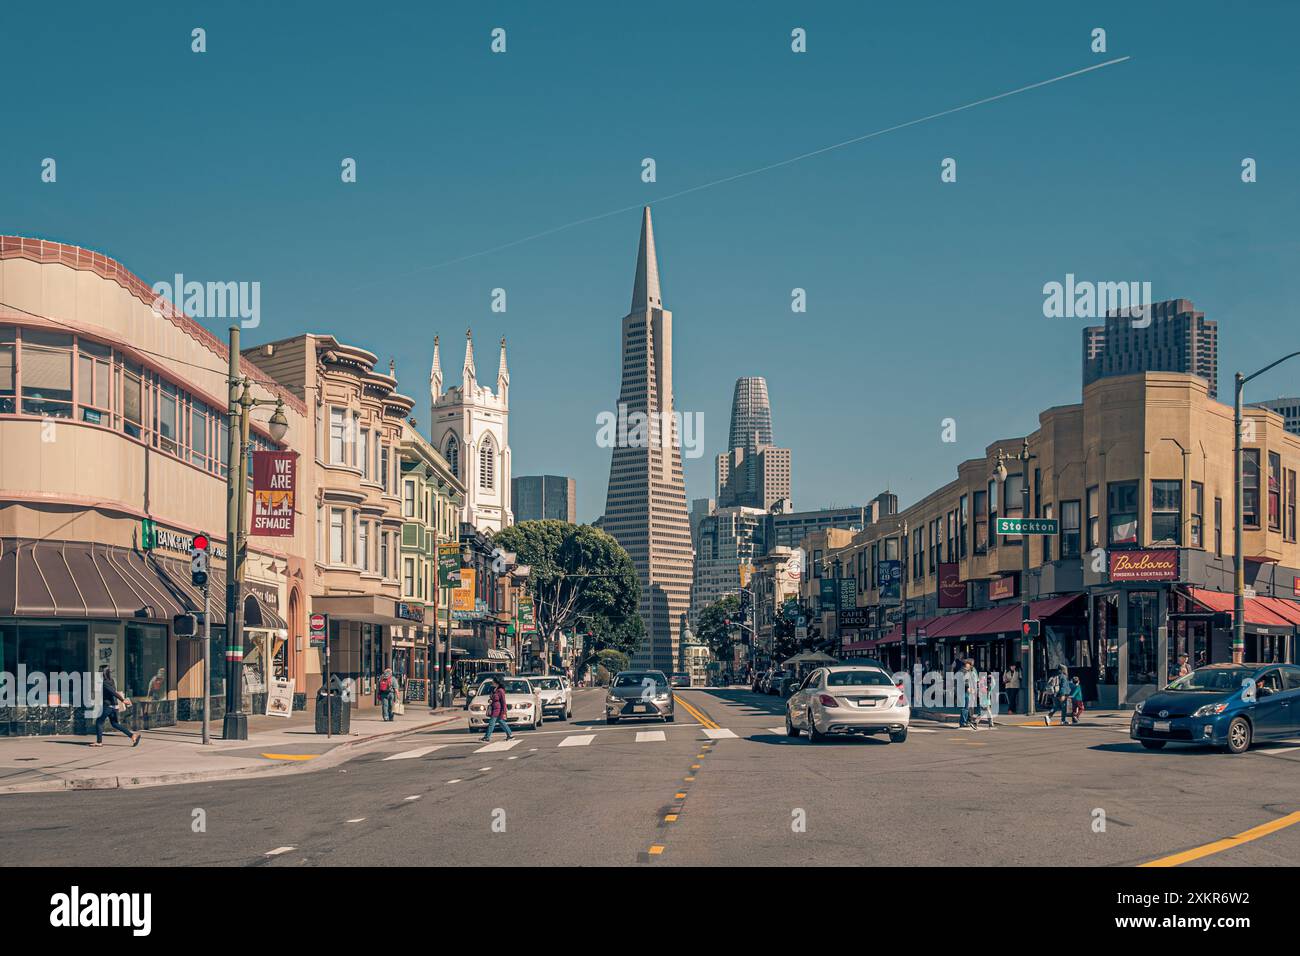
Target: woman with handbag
{"type": "Point", "coordinates": [111, 696]}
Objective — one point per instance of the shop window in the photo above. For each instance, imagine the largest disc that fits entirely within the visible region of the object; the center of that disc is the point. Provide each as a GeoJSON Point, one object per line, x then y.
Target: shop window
{"type": "Point", "coordinates": [1069, 529]}
{"type": "Point", "coordinates": [50, 648]}
{"type": "Point", "coordinates": [146, 662]}
{"type": "Point", "coordinates": [1250, 488]}
{"type": "Point", "coordinates": [1166, 512]}
{"type": "Point", "coordinates": [1143, 658]}
{"type": "Point", "coordinates": [45, 365]}
{"type": "Point", "coordinates": [94, 381]}
{"type": "Point", "coordinates": [1122, 512]}
{"type": "Point", "coordinates": [8, 369]}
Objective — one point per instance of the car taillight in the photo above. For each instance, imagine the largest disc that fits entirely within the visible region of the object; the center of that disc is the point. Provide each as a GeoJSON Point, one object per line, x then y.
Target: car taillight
{"type": "Point", "coordinates": [827, 701]}
{"type": "Point", "coordinates": [901, 701]}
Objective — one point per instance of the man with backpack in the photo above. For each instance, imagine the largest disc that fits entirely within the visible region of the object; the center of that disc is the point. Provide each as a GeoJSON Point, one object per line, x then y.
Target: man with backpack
{"type": "Point", "coordinates": [387, 692]}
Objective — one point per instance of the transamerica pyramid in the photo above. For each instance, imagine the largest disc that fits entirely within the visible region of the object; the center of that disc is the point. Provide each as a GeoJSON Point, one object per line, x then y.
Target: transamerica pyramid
{"type": "Point", "coordinates": [645, 509]}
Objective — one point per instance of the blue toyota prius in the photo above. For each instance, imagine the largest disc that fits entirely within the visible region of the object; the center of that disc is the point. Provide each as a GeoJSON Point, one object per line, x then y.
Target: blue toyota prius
{"type": "Point", "coordinates": [1223, 705]}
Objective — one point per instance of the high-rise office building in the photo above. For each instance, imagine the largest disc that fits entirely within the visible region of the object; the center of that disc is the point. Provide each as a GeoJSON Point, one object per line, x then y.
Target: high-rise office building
{"type": "Point", "coordinates": [542, 497]}
{"type": "Point", "coordinates": [1288, 408]}
{"type": "Point", "coordinates": [752, 473]}
{"type": "Point", "coordinates": [645, 509]}
{"type": "Point", "coordinates": [751, 414]}
{"type": "Point", "coordinates": [1171, 337]}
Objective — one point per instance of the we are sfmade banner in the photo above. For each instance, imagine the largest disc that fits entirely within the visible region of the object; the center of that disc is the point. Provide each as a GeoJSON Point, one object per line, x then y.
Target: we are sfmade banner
{"type": "Point", "coordinates": [274, 480]}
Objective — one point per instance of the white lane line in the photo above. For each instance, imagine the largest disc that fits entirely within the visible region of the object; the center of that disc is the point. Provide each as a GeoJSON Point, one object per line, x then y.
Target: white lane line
{"type": "Point", "coordinates": [1278, 753]}
{"type": "Point", "coordinates": [457, 780]}
{"type": "Point", "coordinates": [776, 730]}
{"type": "Point", "coordinates": [577, 740]}
{"type": "Point", "coordinates": [921, 730]}
{"type": "Point", "coordinates": [722, 733]}
{"type": "Point", "coordinates": [278, 850]}
{"type": "Point", "coordinates": [515, 757]}
{"type": "Point", "coordinates": [645, 736]}
{"type": "Point", "coordinates": [415, 797]}
{"type": "Point", "coordinates": [484, 769]}
{"type": "Point", "coordinates": [357, 820]}
{"type": "Point", "coordinates": [412, 754]}
{"type": "Point", "coordinates": [496, 746]}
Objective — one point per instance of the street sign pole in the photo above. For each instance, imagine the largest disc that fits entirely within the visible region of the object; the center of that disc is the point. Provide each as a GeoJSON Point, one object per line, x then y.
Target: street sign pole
{"type": "Point", "coordinates": [207, 665]}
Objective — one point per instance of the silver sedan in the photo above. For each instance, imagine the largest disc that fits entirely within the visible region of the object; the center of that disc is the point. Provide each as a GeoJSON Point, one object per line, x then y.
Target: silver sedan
{"type": "Point", "coordinates": [639, 694]}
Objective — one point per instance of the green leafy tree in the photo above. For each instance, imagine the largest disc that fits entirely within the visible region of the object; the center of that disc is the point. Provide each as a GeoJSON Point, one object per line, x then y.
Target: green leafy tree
{"type": "Point", "coordinates": [713, 629]}
{"type": "Point", "coordinates": [581, 580]}
{"type": "Point", "coordinates": [608, 663]}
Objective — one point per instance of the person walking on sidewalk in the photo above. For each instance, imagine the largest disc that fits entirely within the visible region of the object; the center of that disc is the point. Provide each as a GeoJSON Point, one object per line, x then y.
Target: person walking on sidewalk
{"type": "Point", "coordinates": [967, 690]}
{"type": "Point", "coordinates": [986, 685]}
{"type": "Point", "coordinates": [1076, 700]}
{"type": "Point", "coordinates": [387, 693]}
{"type": "Point", "coordinates": [110, 698]}
{"type": "Point", "coordinates": [1013, 688]}
{"type": "Point", "coordinates": [497, 710]}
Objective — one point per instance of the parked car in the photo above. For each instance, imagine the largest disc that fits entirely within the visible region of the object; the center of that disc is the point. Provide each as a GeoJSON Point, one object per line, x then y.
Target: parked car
{"type": "Point", "coordinates": [1222, 705]}
{"type": "Point", "coordinates": [523, 704]}
{"type": "Point", "coordinates": [784, 683]}
{"type": "Point", "coordinates": [639, 694]}
{"type": "Point", "coordinates": [679, 680]}
{"type": "Point", "coordinates": [556, 695]}
{"type": "Point", "coordinates": [848, 699]}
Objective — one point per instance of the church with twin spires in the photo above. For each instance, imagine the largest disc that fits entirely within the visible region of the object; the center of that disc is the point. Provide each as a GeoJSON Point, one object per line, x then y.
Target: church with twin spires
{"type": "Point", "coordinates": [470, 425]}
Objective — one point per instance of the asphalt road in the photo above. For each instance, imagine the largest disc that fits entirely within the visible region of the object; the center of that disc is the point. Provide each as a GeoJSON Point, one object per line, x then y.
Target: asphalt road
{"type": "Point", "coordinates": [1012, 796]}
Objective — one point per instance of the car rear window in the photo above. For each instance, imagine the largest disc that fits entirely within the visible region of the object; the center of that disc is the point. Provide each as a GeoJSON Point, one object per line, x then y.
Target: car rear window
{"type": "Point", "coordinates": [865, 678]}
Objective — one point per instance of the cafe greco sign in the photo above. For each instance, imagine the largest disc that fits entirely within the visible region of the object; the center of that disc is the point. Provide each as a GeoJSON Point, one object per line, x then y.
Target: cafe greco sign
{"type": "Point", "coordinates": [1144, 565]}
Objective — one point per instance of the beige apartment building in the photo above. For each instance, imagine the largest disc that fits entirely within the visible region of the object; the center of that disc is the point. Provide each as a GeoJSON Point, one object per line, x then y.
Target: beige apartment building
{"type": "Point", "coordinates": [1139, 475]}
{"type": "Point", "coordinates": [113, 444]}
{"type": "Point", "coordinates": [351, 488]}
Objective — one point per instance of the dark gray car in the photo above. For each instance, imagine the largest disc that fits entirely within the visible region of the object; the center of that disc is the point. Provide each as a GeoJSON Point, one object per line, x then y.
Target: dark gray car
{"type": "Point", "coordinates": [639, 694]}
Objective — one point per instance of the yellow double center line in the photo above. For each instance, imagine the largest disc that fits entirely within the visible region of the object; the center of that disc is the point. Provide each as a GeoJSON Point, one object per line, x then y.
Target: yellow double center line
{"type": "Point", "coordinates": [697, 714]}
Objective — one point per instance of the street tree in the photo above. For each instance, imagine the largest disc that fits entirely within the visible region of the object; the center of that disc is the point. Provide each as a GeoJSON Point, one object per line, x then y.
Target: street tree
{"type": "Point", "coordinates": [714, 630]}
{"type": "Point", "coordinates": [581, 581]}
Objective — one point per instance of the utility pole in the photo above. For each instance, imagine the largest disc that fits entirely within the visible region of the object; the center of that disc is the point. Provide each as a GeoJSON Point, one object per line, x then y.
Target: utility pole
{"type": "Point", "coordinates": [1028, 646]}
{"type": "Point", "coordinates": [235, 723]}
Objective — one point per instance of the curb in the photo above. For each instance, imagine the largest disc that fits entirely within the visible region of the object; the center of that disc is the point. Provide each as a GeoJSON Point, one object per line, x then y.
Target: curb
{"type": "Point", "coordinates": [340, 752]}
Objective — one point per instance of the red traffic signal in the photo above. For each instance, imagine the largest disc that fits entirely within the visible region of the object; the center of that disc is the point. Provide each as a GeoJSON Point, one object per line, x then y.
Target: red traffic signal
{"type": "Point", "coordinates": [200, 542]}
{"type": "Point", "coordinates": [1030, 629]}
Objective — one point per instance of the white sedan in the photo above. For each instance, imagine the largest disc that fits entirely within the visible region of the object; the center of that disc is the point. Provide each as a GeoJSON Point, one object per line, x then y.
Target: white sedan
{"type": "Point", "coordinates": [848, 699]}
{"type": "Point", "coordinates": [557, 697]}
{"type": "Point", "coordinates": [523, 704]}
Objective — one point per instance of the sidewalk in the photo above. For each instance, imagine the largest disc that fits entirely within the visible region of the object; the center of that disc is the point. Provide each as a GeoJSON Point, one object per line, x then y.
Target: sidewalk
{"type": "Point", "coordinates": [1091, 718]}
{"type": "Point", "coordinates": [176, 754]}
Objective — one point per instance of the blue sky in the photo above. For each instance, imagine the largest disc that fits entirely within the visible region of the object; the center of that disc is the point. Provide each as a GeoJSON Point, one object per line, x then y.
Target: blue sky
{"type": "Point", "coordinates": [924, 298]}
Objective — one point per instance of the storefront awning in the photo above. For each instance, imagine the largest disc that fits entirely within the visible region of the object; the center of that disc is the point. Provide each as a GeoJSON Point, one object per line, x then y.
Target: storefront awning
{"type": "Point", "coordinates": [42, 578]}
{"type": "Point", "coordinates": [368, 608]}
{"type": "Point", "coordinates": [995, 620]}
{"type": "Point", "coordinates": [496, 654]}
{"type": "Point", "coordinates": [1260, 611]}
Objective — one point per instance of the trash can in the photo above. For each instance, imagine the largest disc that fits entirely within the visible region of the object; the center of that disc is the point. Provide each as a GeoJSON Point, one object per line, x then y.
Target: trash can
{"type": "Point", "coordinates": [340, 718]}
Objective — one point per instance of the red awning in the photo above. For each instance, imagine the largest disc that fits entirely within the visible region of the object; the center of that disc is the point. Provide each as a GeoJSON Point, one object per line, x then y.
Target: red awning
{"type": "Point", "coordinates": [1257, 611]}
{"type": "Point", "coordinates": [913, 623]}
{"type": "Point", "coordinates": [998, 620]}
{"type": "Point", "coordinates": [1283, 608]}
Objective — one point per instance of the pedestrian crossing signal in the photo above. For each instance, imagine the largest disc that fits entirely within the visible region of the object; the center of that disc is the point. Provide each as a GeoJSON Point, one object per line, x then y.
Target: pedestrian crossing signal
{"type": "Point", "coordinates": [1030, 629]}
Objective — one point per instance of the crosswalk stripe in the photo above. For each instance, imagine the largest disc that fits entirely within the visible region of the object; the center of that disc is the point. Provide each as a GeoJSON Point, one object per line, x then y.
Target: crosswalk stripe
{"type": "Point", "coordinates": [776, 730]}
{"type": "Point", "coordinates": [921, 730]}
{"type": "Point", "coordinates": [720, 734]}
{"type": "Point", "coordinates": [578, 740]}
{"type": "Point", "coordinates": [417, 752]}
{"type": "Point", "coordinates": [645, 736]}
{"type": "Point", "coordinates": [495, 746]}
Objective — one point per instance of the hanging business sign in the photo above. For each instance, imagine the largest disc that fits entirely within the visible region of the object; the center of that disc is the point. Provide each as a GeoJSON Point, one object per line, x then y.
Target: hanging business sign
{"type": "Point", "coordinates": [1144, 565]}
{"type": "Point", "coordinates": [527, 623]}
{"type": "Point", "coordinates": [829, 594]}
{"type": "Point", "coordinates": [274, 474]}
{"type": "Point", "coordinates": [855, 618]}
{"type": "Point", "coordinates": [848, 592]}
{"type": "Point", "coordinates": [449, 565]}
{"type": "Point", "coordinates": [952, 589]}
{"type": "Point", "coordinates": [889, 574]}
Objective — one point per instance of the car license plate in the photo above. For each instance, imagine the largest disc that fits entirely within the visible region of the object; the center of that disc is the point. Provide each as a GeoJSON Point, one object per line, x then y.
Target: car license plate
{"type": "Point", "coordinates": [1162, 726]}
{"type": "Point", "coordinates": [866, 702]}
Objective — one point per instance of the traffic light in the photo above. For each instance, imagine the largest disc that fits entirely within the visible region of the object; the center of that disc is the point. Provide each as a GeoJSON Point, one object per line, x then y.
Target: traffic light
{"type": "Point", "coordinates": [1030, 629]}
{"type": "Point", "coordinates": [199, 561]}
{"type": "Point", "coordinates": [185, 625]}
{"type": "Point", "coordinates": [1222, 621]}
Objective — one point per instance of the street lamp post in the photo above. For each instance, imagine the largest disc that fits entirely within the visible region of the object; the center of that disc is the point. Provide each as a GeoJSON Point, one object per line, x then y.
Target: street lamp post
{"type": "Point", "coordinates": [1001, 472]}
{"type": "Point", "coordinates": [1238, 562]}
{"type": "Point", "coordinates": [234, 726]}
